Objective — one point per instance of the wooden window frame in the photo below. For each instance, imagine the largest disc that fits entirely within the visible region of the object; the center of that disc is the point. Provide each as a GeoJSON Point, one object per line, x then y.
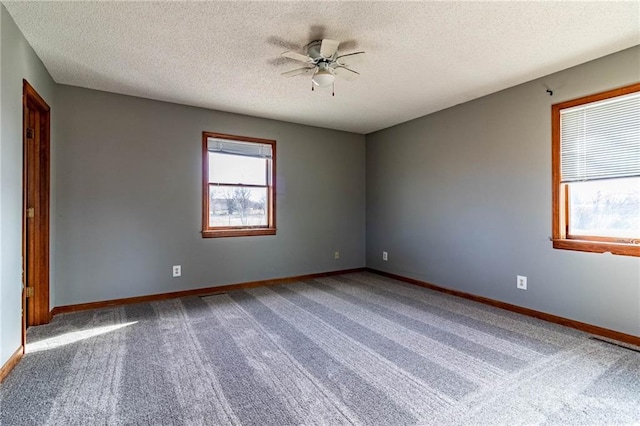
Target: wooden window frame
{"type": "Point", "coordinates": [560, 191]}
{"type": "Point", "coordinates": [237, 231]}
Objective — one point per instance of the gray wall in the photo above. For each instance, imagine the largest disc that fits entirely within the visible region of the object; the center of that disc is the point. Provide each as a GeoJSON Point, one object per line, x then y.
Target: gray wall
{"type": "Point", "coordinates": [462, 199]}
{"type": "Point", "coordinates": [18, 61]}
{"type": "Point", "coordinates": [129, 199]}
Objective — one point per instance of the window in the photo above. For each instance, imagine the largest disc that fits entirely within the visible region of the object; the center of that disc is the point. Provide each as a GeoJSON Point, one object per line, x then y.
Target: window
{"type": "Point", "coordinates": [596, 172]}
{"type": "Point", "coordinates": [238, 197]}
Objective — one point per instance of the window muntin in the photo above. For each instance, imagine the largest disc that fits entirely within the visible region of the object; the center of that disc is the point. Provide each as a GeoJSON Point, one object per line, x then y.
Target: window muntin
{"type": "Point", "coordinates": [238, 186]}
{"type": "Point", "coordinates": [596, 172]}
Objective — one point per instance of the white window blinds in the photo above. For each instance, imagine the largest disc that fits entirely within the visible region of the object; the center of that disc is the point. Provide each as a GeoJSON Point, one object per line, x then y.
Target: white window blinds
{"type": "Point", "coordinates": [601, 140]}
{"type": "Point", "coordinates": [245, 149]}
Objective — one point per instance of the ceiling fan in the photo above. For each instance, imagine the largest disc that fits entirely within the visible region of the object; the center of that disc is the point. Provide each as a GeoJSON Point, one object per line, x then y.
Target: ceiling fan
{"type": "Point", "coordinates": [324, 62]}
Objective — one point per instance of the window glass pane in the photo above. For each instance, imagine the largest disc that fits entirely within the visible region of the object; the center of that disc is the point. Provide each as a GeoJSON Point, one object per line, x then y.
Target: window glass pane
{"type": "Point", "coordinates": [605, 208]}
{"type": "Point", "coordinates": [225, 168]}
{"type": "Point", "coordinates": [237, 206]}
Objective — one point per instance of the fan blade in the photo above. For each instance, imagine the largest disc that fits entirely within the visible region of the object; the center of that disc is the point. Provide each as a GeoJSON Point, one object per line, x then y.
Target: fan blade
{"type": "Point", "coordinates": [297, 57]}
{"type": "Point", "coordinates": [346, 73]}
{"type": "Point", "coordinates": [296, 72]}
{"type": "Point", "coordinates": [328, 48]}
{"type": "Point", "coordinates": [351, 58]}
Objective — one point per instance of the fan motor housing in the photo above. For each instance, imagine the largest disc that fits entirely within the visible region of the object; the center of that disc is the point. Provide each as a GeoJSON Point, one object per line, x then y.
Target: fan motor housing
{"type": "Point", "coordinates": [313, 51]}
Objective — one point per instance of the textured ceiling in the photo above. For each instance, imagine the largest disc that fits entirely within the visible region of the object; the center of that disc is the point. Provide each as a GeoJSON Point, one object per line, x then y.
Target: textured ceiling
{"type": "Point", "coordinates": [421, 56]}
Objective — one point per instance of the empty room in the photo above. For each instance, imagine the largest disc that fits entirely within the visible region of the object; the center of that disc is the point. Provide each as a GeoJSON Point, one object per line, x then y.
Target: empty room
{"type": "Point", "coordinates": [319, 213]}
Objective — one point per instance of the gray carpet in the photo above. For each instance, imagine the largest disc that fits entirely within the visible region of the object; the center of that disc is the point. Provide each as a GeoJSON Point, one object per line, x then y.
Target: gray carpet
{"type": "Point", "coordinates": [350, 349]}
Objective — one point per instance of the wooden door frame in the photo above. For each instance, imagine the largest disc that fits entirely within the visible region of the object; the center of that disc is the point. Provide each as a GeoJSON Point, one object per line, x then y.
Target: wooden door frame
{"type": "Point", "coordinates": [39, 301]}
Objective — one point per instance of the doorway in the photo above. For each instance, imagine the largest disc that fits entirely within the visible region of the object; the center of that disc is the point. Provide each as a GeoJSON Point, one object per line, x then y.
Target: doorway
{"type": "Point", "coordinates": [35, 216]}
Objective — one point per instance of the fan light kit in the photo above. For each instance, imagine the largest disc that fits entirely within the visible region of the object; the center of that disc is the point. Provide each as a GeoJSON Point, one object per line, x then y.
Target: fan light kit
{"type": "Point", "coordinates": [323, 61]}
{"type": "Point", "coordinates": [323, 77]}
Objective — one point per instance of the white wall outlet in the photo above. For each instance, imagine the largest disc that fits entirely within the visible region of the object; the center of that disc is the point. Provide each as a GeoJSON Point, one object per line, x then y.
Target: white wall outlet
{"type": "Point", "coordinates": [521, 282]}
{"type": "Point", "coordinates": [177, 270]}
{"type": "Point", "coordinates": [385, 255]}
{"type": "Point", "coordinates": [336, 255]}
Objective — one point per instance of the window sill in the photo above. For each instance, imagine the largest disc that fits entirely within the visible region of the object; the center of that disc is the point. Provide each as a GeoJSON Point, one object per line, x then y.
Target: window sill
{"type": "Point", "coordinates": [597, 247]}
{"type": "Point", "coordinates": [222, 233]}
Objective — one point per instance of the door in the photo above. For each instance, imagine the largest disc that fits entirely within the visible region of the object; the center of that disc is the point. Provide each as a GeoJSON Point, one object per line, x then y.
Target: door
{"type": "Point", "coordinates": [35, 195]}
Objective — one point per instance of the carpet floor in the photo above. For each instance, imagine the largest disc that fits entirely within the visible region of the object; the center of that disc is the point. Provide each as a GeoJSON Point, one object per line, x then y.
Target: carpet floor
{"type": "Point", "coordinates": [351, 349]}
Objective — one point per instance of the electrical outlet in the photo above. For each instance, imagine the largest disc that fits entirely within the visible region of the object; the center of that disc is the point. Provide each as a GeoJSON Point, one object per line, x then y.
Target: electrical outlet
{"type": "Point", "coordinates": [177, 270]}
{"type": "Point", "coordinates": [385, 255]}
{"type": "Point", "coordinates": [336, 255]}
{"type": "Point", "coordinates": [521, 282]}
